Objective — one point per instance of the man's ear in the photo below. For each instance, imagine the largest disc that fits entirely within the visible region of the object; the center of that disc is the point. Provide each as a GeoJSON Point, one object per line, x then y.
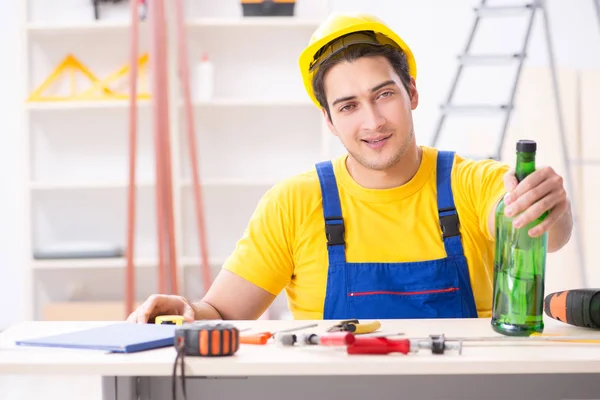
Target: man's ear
{"type": "Point", "coordinates": [328, 120]}
{"type": "Point", "coordinates": [414, 93]}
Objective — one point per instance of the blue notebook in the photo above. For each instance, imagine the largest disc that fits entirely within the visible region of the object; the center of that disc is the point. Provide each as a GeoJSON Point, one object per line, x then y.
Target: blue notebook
{"type": "Point", "coordinates": [122, 337]}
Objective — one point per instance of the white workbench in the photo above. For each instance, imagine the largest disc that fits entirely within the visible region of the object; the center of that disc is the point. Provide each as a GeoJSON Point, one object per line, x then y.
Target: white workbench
{"type": "Point", "coordinates": [494, 370]}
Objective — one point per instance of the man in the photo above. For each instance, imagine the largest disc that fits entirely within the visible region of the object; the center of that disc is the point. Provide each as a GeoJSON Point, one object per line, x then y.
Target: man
{"type": "Point", "coordinates": [393, 229]}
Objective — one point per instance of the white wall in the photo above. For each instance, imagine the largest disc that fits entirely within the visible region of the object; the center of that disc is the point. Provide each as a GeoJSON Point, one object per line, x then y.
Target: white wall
{"type": "Point", "coordinates": [11, 172]}
{"type": "Point", "coordinates": [435, 29]}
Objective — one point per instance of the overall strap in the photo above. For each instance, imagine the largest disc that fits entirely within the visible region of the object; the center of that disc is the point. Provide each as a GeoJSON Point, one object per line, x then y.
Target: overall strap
{"type": "Point", "coordinates": [332, 210]}
{"type": "Point", "coordinates": [449, 221]}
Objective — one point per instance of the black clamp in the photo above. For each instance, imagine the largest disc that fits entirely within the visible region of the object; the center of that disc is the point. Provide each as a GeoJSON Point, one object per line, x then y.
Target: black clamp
{"type": "Point", "coordinates": [438, 344]}
{"type": "Point", "coordinates": [334, 232]}
{"type": "Point", "coordinates": [344, 326]}
{"type": "Point", "coordinates": [449, 223]}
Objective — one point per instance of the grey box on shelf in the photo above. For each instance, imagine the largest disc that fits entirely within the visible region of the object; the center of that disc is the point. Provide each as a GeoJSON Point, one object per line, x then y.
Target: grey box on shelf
{"type": "Point", "coordinates": [268, 8]}
{"type": "Point", "coordinates": [78, 251]}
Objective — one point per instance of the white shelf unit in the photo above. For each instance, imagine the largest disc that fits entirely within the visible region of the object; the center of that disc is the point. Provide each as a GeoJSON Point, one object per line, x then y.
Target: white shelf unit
{"type": "Point", "coordinates": [259, 128]}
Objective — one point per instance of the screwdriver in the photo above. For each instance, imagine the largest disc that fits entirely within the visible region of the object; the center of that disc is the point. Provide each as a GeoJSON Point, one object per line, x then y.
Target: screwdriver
{"type": "Point", "coordinates": [384, 345]}
{"type": "Point", "coordinates": [263, 337]}
{"type": "Point", "coordinates": [534, 337]}
{"type": "Point", "coordinates": [439, 343]}
{"type": "Point", "coordinates": [378, 345]}
{"type": "Point", "coordinates": [328, 339]}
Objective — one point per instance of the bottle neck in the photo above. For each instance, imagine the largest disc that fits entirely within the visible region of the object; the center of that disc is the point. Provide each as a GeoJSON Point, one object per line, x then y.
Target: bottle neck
{"type": "Point", "coordinates": [525, 165]}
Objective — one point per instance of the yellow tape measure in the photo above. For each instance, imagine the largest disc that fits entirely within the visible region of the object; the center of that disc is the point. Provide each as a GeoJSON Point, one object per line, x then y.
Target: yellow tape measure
{"type": "Point", "coordinates": [169, 320]}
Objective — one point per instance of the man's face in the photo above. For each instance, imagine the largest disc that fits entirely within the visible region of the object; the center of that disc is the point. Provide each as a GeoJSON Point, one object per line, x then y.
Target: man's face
{"type": "Point", "coordinates": [370, 111]}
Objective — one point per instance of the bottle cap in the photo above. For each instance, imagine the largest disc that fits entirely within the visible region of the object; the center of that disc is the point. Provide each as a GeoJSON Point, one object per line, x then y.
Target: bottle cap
{"type": "Point", "coordinates": [526, 146]}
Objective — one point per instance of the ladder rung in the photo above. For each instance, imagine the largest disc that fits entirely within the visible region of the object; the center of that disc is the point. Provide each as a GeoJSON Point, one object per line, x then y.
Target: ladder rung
{"type": "Point", "coordinates": [475, 108]}
{"type": "Point", "coordinates": [503, 11]}
{"type": "Point", "coordinates": [483, 59]}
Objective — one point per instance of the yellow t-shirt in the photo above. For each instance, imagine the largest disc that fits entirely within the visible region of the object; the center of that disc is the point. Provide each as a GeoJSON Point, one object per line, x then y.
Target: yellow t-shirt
{"type": "Point", "coordinates": [284, 244]}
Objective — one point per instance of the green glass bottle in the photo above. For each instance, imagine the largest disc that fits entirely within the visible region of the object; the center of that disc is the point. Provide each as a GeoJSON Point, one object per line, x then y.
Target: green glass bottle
{"type": "Point", "coordinates": [519, 264]}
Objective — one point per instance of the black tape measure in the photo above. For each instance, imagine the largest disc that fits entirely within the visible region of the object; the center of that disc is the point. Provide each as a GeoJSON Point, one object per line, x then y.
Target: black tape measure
{"type": "Point", "coordinates": [204, 340]}
{"type": "Point", "coordinates": [208, 340]}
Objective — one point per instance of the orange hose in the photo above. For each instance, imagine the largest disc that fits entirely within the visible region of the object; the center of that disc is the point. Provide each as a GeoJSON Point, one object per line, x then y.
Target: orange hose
{"type": "Point", "coordinates": [185, 77]}
{"type": "Point", "coordinates": [130, 250]}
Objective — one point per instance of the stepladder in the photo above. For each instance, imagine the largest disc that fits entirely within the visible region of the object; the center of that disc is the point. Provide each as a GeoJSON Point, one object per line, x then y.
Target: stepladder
{"type": "Point", "coordinates": [503, 108]}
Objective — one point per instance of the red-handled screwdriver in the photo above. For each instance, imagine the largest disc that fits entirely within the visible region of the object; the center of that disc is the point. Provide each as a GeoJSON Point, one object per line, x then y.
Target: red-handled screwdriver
{"type": "Point", "coordinates": [382, 345]}
{"type": "Point", "coordinates": [307, 339]}
{"type": "Point", "coordinates": [328, 339]}
{"type": "Point", "coordinates": [379, 345]}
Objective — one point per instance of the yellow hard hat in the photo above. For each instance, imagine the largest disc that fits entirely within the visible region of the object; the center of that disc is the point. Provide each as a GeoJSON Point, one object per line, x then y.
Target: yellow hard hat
{"type": "Point", "coordinates": [340, 25]}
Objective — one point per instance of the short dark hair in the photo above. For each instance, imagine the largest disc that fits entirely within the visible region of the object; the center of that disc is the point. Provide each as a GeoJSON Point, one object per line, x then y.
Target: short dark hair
{"type": "Point", "coordinates": [396, 57]}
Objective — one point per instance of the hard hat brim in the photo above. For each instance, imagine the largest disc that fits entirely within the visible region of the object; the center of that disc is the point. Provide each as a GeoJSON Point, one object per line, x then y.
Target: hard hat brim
{"type": "Point", "coordinates": [307, 56]}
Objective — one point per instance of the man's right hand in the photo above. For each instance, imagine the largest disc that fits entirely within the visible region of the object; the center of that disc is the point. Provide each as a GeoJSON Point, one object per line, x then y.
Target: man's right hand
{"type": "Point", "coordinates": [230, 297]}
{"type": "Point", "coordinates": [161, 304]}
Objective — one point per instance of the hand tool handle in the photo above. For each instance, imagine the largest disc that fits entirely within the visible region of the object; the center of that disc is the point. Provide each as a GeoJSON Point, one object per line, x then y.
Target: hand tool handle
{"type": "Point", "coordinates": [285, 339]}
{"type": "Point", "coordinates": [337, 339]}
{"type": "Point", "coordinates": [307, 339]}
{"type": "Point", "coordinates": [259, 338]}
{"type": "Point", "coordinates": [378, 345]}
{"type": "Point", "coordinates": [367, 328]}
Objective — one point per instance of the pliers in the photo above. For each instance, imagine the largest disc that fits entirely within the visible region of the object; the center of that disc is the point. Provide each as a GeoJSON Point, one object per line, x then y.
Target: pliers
{"type": "Point", "coordinates": [354, 326]}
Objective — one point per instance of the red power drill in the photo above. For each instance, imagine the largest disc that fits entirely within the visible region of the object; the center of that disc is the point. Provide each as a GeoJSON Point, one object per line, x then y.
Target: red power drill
{"type": "Point", "coordinates": [578, 307]}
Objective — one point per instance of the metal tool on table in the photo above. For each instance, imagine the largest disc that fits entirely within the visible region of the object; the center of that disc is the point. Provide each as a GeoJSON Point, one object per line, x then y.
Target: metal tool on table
{"type": "Point", "coordinates": [307, 339]}
{"type": "Point", "coordinates": [355, 326]}
{"type": "Point", "coordinates": [536, 337]}
{"type": "Point", "coordinates": [263, 337]}
{"type": "Point", "coordinates": [384, 345]}
{"type": "Point", "coordinates": [438, 344]}
{"type": "Point", "coordinates": [340, 334]}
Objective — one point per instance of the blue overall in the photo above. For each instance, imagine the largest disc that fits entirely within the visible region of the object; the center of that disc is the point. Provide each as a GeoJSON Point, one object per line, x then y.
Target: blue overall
{"type": "Point", "coordinates": [424, 289]}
